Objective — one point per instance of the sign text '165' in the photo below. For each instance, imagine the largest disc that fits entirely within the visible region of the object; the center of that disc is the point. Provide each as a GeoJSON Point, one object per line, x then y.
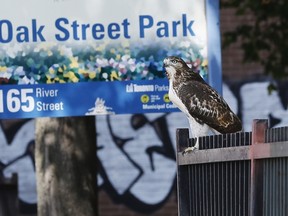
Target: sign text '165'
{"type": "Point", "coordinates": [17, 100]}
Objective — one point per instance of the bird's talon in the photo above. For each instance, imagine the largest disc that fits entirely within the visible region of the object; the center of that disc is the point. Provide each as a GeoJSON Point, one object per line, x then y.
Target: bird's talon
{"type": "Point", "coordinates": [189, 150]}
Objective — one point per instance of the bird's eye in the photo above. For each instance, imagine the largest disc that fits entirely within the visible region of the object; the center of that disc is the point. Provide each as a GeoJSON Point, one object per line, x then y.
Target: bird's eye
{"type": "Point", "coordinates": [174, 61]}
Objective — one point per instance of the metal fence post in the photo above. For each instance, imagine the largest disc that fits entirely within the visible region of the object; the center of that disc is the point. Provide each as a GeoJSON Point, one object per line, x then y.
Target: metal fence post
{"type": "Point", "coordinates": [258, 136]}
{"type": "Point", "coordinates": [182, 139]}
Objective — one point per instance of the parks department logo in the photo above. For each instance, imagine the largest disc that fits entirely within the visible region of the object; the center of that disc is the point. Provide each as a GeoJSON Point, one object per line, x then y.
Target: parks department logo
{"type": "Point", "coordinates": [166, 98]}
{"type": "Point", "coordinates": [145, 98]}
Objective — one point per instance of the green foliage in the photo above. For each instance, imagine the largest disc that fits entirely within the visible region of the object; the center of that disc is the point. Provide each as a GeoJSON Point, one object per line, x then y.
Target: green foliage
{"type": "Point", "coordinates": [265, 38]}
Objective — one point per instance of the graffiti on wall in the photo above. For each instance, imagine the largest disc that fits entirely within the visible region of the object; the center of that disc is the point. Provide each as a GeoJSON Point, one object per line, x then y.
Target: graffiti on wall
{"type": "Point", "coordinates": [136, 152]}
{"type": "Point", "coordinates": [17, 156]}
{"type": "Point", "coordinates": [138, 158]}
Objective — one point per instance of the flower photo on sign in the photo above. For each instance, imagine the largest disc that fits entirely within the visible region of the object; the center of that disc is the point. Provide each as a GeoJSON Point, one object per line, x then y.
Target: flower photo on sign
{"type": "Point", "coordinates": [60, 63]}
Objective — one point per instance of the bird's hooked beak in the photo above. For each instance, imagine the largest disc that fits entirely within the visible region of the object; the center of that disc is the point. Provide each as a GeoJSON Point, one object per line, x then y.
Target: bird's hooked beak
{"type": "Point", "coordinates": [166, 64]}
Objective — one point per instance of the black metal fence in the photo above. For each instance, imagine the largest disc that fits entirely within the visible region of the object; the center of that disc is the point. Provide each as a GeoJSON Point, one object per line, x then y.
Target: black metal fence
{"type": "Point", "coordinates": [234, 174]}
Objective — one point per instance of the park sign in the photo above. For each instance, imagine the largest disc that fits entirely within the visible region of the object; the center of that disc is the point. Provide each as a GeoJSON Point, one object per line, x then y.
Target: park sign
{"type": "Point", "coordinates": [91, 57]}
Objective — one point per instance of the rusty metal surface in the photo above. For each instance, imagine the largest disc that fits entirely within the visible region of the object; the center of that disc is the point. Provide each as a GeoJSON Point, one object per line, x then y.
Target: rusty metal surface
{"type": "Point", "coordinates": [275, 187]}
{"type": "Point", "coordinates": [276, 134]}
{"type": "Point", "coordinates": [260, 151]}
{"type": "Point", "coordinates": [206, 184]}
{"type": "Point", "coordinates": [215, 155]}
{"type": "Point", "coordinates": [216, 189]}
{"type": "Point", "coordinates": [235, 174]}
{"type": "Point", "coordinates": [270, 150]}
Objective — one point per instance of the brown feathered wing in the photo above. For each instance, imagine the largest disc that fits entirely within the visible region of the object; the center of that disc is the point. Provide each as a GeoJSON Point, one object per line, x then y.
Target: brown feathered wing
{"type": "Point", "coordinates": [207, 106]}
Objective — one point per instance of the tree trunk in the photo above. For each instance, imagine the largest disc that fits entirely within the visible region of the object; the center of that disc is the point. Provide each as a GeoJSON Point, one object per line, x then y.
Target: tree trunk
{"type": "Point", "coordinates": [65, 156]}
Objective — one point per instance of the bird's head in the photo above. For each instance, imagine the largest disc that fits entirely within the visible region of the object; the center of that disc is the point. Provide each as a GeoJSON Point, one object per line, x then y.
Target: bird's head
{"type": "Point", "coordinates": [172, 64]}
{"type": "Point", "coordinates": [176, 68]}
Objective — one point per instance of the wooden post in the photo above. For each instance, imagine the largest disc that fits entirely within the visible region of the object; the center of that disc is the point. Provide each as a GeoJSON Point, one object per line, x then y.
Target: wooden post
{"type": "Point", "coordinates": [65, 156]}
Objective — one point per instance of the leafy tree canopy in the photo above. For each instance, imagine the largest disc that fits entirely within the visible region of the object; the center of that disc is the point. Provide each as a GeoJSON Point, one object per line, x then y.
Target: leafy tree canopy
{"type": "Point", "coordinates": [266, 39]}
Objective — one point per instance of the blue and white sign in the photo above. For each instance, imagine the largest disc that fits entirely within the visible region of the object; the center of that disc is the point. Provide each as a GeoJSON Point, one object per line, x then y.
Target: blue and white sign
{"type": "Point", "coordinates": [73, 58]}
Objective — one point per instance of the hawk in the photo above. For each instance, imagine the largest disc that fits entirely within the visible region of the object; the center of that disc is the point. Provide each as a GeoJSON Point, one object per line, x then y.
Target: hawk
{"type": "Point", "coordinates": [205, 109]}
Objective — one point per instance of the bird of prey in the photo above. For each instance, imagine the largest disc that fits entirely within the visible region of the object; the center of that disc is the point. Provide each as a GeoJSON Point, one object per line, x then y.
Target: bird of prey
{"type": "Point", "coordinates": [205, 109]}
